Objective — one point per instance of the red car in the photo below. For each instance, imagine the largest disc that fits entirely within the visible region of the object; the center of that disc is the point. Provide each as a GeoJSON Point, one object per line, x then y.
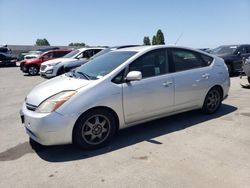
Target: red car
{"type": "Point", "coordinates": [32, 66]}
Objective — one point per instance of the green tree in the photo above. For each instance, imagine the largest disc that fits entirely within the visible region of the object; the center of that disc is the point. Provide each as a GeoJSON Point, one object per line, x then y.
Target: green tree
{"type": "Point", "coordinates": [160, 37]}
{"type": "Point", "coordinates": [42, 42]}
{"type": "Point", "coordinates": [146, 41]}
{"type": "Point", "coordinates": [154, 42]}
{"type": "Point", "coordinates": [77, 44]}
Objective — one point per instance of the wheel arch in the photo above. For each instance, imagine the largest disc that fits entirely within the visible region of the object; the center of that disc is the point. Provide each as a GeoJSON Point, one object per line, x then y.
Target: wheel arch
{"type": "Point", "coordinates": [60, 70]}
{"type": "Point", "coordinates": [102, 108]}
{"type": "Point", "coordinates": [220, 88]}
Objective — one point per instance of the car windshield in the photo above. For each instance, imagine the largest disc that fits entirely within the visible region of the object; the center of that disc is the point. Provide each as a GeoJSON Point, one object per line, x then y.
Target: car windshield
{"type": "Point", "coordinates": [101, 53]}
{"type": "Point", "coordinates": [103, 65]}
{"type": "Point", "coordinates": [224, 50]}
{"type": "Point", "coordinates": [72, 54]}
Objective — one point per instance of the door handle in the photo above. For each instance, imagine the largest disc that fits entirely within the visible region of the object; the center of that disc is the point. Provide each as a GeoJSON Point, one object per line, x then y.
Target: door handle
{"type": "Point", "coordinates": [167, 83]}
{"type": "Point", "coordinates": [206, 76]}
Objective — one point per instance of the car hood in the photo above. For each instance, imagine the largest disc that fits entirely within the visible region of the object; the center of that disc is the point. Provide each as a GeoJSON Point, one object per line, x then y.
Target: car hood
{"type": "Point", "coordinates": [34, 60]}
{"type": "Point", "coordinates": [61, 60]}
{"type": "Point", "coordinates": [77, 62]}
{"type": "Point", "coordinates": [54, 86]}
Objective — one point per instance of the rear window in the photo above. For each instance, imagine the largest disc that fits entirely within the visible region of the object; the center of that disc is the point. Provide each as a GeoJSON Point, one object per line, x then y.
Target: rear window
{"type": "Point", "coordinates": [186, 59]}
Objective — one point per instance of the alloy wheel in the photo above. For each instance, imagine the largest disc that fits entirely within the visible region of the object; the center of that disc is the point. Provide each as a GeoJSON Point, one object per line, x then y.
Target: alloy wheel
{"type": "Point", "coordinates": [96, 129]}
{"type": "Point", "coordinates": [32, 70]}
{"type": "Point", "coordinates": [213, 100]}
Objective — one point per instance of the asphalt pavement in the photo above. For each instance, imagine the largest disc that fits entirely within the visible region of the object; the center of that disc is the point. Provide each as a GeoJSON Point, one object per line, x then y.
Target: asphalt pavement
{"type": "Point", "coordinates": [185, 150]}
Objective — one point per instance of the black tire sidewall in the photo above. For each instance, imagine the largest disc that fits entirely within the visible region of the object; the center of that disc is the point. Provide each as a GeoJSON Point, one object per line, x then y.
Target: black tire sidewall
{"type": "Point", "coordinates": [205, 108]}
{"type": "Point", "coordinates": [77, 132]}
{"type": "Point", "coordinates": [37, 70]}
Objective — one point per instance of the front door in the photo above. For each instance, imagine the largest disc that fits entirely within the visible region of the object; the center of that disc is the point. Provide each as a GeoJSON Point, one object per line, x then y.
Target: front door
{"type": "Point", "coordinates": [154, 94]}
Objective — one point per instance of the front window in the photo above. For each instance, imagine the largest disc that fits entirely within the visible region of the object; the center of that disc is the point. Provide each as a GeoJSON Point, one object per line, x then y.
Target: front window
{"type": "Point", "coordinates": [224, 50]}
{"type": "Point", "coordinates": [72, 54]}
{"type": "Point", "coordinates": [48, 55]}
{"type": "Point", "coordinates": [101, 53]}
{"type": "Point", "coordinates": [151, 64]}
{"type": "Point", "coordinates": [103, 65]}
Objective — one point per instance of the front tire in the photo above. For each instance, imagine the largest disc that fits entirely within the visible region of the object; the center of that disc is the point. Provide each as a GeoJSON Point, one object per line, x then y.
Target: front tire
{"type": "Point", "coordinates": [94, 129]}
{"type": "Point", "coordinates": [212, 101]}
{"type": "Point", "coordinates": [33, 70]}
{"type": "Point", "coordinates": [230, 69]}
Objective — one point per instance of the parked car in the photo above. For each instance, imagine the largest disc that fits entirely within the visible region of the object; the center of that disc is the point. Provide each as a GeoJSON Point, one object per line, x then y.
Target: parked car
{"type": "Point", "coordinates": [233, 56]}
{"type": "Point", "coordinates": [22, 55]}
{"type": "Point", "coordinates": [70, 66]}
{"type": "Point", "coordinates": [208, 50]}
{"type": "Point", "coordinates": [32, 54]}
{"type": "Point", "coordinates": [7, 59]}
{"type": "Point", "coordinates": [5, 50]}
{"type": "Point", "coordinates": [55, 67]}
{"type": "Point", "coordinates": [122, 88]}
{"type": "Point", "coordinates": [246, 68]}
{"type": "Point", "coordinates": [32, 66]}
{"type": "Point", "coordinates": [47, 49]}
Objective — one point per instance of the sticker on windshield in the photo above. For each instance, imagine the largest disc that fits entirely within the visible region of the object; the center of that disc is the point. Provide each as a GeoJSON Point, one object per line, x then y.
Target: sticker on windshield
{"type": "Point", "coordinates": [233, 46]}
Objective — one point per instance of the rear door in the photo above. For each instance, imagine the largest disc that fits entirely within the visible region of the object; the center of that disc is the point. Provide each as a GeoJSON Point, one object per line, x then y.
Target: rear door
{"type": "Point", "coordinates": [154, 94]}
{"type": "Point", "coordinates": [192, 77]}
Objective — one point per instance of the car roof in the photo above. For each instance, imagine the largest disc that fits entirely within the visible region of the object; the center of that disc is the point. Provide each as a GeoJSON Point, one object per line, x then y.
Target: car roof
{"type": "Point", "coordinates": [58, 50]}
{"type": "Point", "coordinates": [89, 48]}
{"type": "Point", "coordinates": [144, 48]}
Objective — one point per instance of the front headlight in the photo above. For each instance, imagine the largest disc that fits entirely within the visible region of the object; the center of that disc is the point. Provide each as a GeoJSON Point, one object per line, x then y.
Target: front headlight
{"type": "Point", "coordinates": [54, 102]}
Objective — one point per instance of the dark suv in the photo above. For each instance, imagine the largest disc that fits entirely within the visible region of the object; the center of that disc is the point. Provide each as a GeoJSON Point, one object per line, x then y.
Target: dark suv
{"type": "Point", "coordinates": [233, 55]}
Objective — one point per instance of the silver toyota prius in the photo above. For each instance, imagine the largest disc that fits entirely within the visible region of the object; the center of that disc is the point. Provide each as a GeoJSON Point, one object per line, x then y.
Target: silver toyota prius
{"type": "Point", "coordinates": [122, 88]}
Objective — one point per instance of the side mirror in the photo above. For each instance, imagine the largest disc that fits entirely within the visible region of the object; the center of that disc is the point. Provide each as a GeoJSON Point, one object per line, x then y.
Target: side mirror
{"type": "Point", "coordinates": [238, 53]}
{"type": "Point", "coordinates": [134, 76]}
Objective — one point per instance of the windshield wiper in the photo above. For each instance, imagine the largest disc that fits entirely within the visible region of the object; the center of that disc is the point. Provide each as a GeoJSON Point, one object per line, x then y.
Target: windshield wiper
{"type": "Point", "coordinates": [84, 74]}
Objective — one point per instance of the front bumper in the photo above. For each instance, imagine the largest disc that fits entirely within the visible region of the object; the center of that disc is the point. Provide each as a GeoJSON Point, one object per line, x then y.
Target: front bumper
{"type": "Point", "coordinates": [47, 71]}
{"type": "Point", "coordinates": [48, 128]}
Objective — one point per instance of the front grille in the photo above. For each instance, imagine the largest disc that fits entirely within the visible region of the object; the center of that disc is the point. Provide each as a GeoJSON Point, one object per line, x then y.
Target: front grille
{"type": "Point", "coordinates": [43, 67]}
{"type": "Point", "coordinates": [31, 107]}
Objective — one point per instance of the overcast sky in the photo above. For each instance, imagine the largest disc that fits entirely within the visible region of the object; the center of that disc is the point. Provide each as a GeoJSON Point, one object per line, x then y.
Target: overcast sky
{"type": "Point", "coordinates": [112, 22]}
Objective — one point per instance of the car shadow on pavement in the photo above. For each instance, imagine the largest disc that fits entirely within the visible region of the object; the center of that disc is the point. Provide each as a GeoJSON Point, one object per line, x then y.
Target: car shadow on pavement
{"type": "Point", "coordinates": [133, 135]}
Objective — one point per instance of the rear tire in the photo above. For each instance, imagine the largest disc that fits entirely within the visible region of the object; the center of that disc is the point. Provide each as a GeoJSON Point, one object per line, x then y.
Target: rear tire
{"type": "Point", "coordinates": [33, 70]}
{"type": "Point", "coordinates": [248, 79]}
{"type": "Point", "coordinates": [94, 129]}
{"type": "Point", "coordinates": [212, 101]}
{"type": "Point", "coordinates": [230, 69]}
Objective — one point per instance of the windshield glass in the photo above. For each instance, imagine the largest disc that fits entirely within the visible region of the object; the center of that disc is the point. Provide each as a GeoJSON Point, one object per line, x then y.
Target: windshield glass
{"type": "Point", "coordinates": [104, 64]}
{"type": "Point", "coordinates": [72, 54]}
{"type": "Point", "coordinates": [224, 50]}
{"type": "Point", "coordinates": [101, 53]}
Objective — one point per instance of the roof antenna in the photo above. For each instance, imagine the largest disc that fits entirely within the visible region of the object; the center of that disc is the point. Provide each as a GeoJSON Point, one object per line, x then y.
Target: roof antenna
{"type": "Point", "coordinates": [178, 38]}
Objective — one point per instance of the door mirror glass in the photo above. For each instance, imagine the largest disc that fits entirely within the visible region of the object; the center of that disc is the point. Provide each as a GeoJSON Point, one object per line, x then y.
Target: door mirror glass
{"type": "Point", "coordinates": [134, 76]}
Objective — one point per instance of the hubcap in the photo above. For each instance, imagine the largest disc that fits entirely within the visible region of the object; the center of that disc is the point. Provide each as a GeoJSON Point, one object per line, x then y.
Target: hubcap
{"type": "Point", "coordinates": [213, 100]}
{"type": "Point", "coordinates": [33, 70]}
{"type": "Point", "coordinates": [96, 129]}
